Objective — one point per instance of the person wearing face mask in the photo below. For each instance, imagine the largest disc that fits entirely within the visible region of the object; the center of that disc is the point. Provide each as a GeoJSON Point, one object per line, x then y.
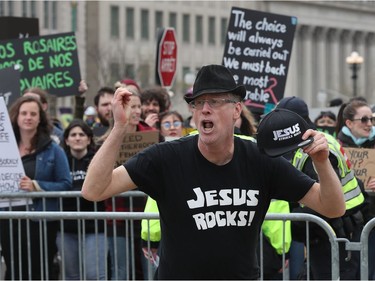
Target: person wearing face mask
{"type": "Point", "coordinates": [325, 119]}
{"type": "Point", "coordinates": [326, 122]}
{"type": "Point", "coordinates": [355, 129]}
{"type": "Point", "coordinates": [347, 226]}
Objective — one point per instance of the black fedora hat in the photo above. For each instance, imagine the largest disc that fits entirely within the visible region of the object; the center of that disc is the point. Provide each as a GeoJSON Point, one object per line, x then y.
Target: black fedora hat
{"type": "Point", "coordinates": [215, 79]}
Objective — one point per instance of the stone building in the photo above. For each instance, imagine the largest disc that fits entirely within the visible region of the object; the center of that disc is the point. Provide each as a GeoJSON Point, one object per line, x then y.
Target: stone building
{"type": "Point", "coordinates": [117, 39]}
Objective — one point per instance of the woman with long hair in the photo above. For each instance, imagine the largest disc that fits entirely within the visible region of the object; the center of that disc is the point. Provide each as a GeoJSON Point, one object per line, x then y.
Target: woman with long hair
{"type": "Point", "coordinates": [355, 129]}
{"type": "Point", "coordinates": [47, 169]}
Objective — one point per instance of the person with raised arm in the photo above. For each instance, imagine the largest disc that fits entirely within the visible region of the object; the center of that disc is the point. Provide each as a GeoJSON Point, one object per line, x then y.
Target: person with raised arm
{"type": "Point", "coordinates": [213, 189]}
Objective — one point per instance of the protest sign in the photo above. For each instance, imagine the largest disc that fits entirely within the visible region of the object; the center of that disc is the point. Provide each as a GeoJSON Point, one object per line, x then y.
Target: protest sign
{"type": "Point", "coordinates": [362, 162]}
{"type": "Point", "coordinates": [48, 62]}
{"type": "Point", "coordinates": [11, 168]}
{"type": "Point", "coordinates": [9, 85]}
{"type": "Point", "coordinates": [257, 52]}
{"type": "Point", "coordinates": [18, 27]}
{"type": "Point", "coordinates": [134, 143]}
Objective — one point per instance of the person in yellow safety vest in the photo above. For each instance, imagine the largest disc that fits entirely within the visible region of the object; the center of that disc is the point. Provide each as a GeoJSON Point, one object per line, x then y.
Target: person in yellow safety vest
{"type": "Point", "coordinates": [151, 236]}
{"type": "Point", "coordinates": [348, 226]}
{"type": "Point", "coordinates": [277, 238]}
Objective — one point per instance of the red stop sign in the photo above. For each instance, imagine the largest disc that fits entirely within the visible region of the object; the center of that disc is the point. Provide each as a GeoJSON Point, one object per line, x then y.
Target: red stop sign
{"type": "Point", "coordinates": [167, 57]}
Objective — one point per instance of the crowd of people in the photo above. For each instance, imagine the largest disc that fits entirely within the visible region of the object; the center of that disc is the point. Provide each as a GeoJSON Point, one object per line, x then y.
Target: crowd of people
{"type": "Point", "coordinates": [221, 142]}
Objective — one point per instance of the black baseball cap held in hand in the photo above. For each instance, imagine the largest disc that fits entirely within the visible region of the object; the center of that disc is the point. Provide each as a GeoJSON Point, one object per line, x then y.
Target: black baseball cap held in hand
{"type": "Point", "coordinates": [280, 132]}
{"type": "Point", "coordinates": [215, 79]}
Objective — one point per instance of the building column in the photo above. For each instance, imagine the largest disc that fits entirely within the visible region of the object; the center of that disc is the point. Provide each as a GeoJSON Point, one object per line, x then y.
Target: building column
{"type": "Point", "coordinates": [347, 43]}
{"type": "Point", "coordinates": [306, 73]}
{"type": "Point", "coordinates": [333, 60]}
{"type": "Point", "coordinates": [321, 58]}
{"type": "Point", "coordinates": [370, 67]}
{"type": "Point", "coordinates": [361, 49]}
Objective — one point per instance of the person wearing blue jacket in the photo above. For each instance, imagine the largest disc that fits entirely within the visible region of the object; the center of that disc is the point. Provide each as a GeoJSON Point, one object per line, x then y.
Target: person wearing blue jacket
{"type": "Point", "coordinates": [27, 245]}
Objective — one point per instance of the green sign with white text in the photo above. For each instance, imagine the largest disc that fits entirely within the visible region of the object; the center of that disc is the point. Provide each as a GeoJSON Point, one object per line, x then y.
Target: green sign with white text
{"type": "Point", "coordinates": [48, 62]}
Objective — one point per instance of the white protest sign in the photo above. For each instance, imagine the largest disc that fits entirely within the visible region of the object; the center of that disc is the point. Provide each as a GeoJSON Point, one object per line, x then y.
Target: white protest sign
{"type": "Point", "coordinates": [11, 168]}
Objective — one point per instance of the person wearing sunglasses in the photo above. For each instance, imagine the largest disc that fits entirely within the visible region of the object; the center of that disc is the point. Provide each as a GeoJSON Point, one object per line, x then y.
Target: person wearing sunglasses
{"type": "Point", "coordinates": [170, 127]}
{"type": "Point", "coordinates": [354, 125]}
{"type": "Point", "coordinates": [213, 189]}
{"type": "Point", "coordinates": [355, 129]}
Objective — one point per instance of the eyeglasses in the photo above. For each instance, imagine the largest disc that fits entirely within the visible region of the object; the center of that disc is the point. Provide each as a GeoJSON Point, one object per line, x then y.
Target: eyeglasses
{"type": "Point", "coordinates": [213, 103]}
{"type": "Point", "coordinates": [364, 119]}
{"type": "Point", "coordinates": [168, 125]}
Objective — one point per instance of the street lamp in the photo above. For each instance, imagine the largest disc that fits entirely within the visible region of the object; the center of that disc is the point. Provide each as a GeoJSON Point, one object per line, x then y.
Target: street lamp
{"type": "Point", "coordinates": [354, 61]}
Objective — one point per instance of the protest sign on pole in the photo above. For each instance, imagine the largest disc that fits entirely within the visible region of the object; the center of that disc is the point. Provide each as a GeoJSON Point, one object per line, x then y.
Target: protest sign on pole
{"type": "Point", "coordinates": [166, 57]}
{"type": "Point", "coordinates": [11, 168]}
{"type": "Point", "coordinates": [257, 52]}
{"type": "Point", "coordinates": [48, 62]}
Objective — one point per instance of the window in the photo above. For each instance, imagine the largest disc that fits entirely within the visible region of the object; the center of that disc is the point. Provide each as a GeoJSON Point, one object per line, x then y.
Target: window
{"type": "Point", "coordinates": [54, 14]}
{"type": "Point", "coordinates": [2, 8]}
{"type": "Point", "coordinates": [173, 20]}
{"type": "Point", "coordinates": [186, 28]}
{"type": "Point", "coordinates": [145, 24]}
{"type": "Point", "coordinates": [185, 70]}
{"type": "Point", "coordinates": [24, 8]}
{"type": "Point", "coordinates": [73, 6]}
{"type": "Point", "coordinates": [144, 73]}
{"type": "Point", "coordinates": [115, 21]}
{"type": "Point", "coordinates": [129, 19]}
{"type": "Point", "coordinates": [10, 8]}
{"type": "Point", "coordinates": [115, 69]}
{"type": "Point", "coordinates": [223, 30]}
{"type": "Point", "coordinates": [46, 13]}
{"type": "Point", "coordinates": [158, 20]}
{"type": "Point", "coordinates": [33, 9]}
{"type": "Point", "coordinates": [211, 30]}
{"type": "Point", "coordinates": [199, 29]}
{"type": "Point", "coordinates": [130, 71]}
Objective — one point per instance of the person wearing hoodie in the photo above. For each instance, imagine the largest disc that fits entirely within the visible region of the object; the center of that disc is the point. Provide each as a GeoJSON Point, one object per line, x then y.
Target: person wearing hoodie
{"type": "Point", "coordinates": [29, 247]}
{"type": "Point", "coordinates": [82, 238]}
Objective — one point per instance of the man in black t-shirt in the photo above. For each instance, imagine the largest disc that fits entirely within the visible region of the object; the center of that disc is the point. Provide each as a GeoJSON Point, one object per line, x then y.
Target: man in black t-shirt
{"type": "Point", "coordinates": [212, 189]}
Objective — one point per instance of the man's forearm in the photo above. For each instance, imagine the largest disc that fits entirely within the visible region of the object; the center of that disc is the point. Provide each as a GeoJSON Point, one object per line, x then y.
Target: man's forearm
{"type": "Point", "coordinates": [99, 173]}
{"type": "Point", "coordinates": [331, 194]}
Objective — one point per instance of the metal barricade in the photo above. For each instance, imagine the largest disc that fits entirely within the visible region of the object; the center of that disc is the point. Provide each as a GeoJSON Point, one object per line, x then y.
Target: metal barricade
{"type": "Point", "coordinates": [135, 216]}
{"type": "Point", "coordinates": [362, 246]}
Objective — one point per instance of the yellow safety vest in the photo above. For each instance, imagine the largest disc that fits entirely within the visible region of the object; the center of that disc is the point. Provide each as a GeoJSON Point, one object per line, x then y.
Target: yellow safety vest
{"type": "Point", "coordinates": [151, 229]}
{"type": "Point", "coordinates": [274, 229]}
{"type": "Point", "coordinates": [352, 192]}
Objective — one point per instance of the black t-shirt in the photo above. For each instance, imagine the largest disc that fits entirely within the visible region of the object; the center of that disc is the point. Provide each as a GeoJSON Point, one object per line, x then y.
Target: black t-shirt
{"type": "Point", "coordinates": [211, 215]}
